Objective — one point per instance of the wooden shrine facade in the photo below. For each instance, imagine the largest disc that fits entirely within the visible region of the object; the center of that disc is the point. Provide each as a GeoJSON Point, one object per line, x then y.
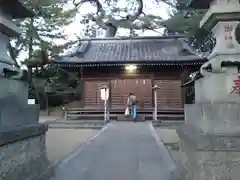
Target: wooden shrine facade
{"type": "Point", "coordinates": [156, 62]}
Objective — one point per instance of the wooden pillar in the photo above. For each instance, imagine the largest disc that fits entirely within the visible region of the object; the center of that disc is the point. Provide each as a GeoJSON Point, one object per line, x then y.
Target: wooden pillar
{"type": "Point", "coordinates": [184, 76]}
{"type": "Point", "coordinates": [152, 84]}
{"type": "Point", "coordinates": [82, 85]}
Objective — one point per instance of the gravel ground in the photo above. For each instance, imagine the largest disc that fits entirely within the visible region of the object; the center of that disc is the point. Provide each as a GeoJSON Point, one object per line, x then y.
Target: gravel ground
{"type": "Point", "coordinates": [61, 142]}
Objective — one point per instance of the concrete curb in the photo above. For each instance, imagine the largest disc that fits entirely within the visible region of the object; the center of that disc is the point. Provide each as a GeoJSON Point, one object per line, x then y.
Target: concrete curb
{"type": "Point", "coordinates": [175, 172]}
{"type": "Point", "coordinates": [160, 144]}
{"type": "Point", "coordinates": [64, 162]}
{"type": "Point", "coordinates": [83, 145]}
{"type": "Point", "coordinates": [75, 127]}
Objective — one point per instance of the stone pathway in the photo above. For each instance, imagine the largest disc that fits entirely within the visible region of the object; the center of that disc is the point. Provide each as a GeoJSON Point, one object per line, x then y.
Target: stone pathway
{"type": "Point", "coordinates": [123, 150]}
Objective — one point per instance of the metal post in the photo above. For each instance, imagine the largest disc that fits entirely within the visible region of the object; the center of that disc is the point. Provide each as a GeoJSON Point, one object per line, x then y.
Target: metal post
{"type": "Point", "coordinates": [155, 104]}
{"type": "Point", "coordinates": [155, 88]}
{"type": "Point", "coordinates": [105, 98]}
{"type": "Point", "coordinates": [105, 107]}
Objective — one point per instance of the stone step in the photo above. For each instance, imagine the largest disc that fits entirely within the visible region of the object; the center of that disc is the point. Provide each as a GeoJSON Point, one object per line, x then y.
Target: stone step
{"type": "Point", "coordinates": [145, 117]}
{"type": "Point", "coordinates": [128, 119]}
{"type": "Point", "coordinates": [80, 122]}
{"type": "Point", "coordinates": [75, 126]}
{"type": "Point", "coordinates": [167, 123]}
{"type": "Point", "coordinates": [121, 110]}
{"type": "Point", "coordinates": [90, 117]}
{"type": "Point", "coordinates": [174, 117]}
{"type": "Point", "coordinates": [121, 117]}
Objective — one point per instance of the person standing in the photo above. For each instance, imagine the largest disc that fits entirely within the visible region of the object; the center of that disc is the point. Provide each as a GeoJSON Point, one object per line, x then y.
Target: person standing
{"type": "Point", "coordinates": [132, 104]}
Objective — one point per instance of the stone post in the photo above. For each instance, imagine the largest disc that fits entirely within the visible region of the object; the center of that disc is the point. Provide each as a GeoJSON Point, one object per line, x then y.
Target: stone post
{"type": "Point", "coordinates": [210, 138]}
{"type": "Point", "coordinates": [22, 138]}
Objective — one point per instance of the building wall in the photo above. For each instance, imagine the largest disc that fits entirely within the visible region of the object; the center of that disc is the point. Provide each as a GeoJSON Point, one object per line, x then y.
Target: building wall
{"type": "Point", "coordinates": [121, 83]}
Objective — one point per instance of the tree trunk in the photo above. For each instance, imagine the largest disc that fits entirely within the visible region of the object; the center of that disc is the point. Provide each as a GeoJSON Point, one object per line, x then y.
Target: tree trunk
{"type": "Point", "coordinates": [36, 70]}
{"type": "Point", "coordinates": [111, 30]}
{"type": "Point", "coordinates": [30, 47]}
{"type": "Point", "coordinates": [30, 43]}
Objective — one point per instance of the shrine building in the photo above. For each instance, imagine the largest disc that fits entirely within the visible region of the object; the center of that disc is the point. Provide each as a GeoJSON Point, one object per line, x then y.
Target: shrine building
{"type": "Point", "coordinates": [134, 65]}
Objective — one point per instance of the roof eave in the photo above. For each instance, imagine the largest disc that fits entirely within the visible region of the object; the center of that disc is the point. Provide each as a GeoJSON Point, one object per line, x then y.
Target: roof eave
{"type": "Point", "coordinates": [198, 62]}
{"type": "Point", "coordinates": [193, 60]}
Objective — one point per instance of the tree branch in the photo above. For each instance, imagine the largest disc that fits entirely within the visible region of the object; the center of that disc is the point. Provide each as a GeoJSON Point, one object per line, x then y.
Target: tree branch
{"type": "Point", "coordinates": [126, 22]}
{"type": "Point", "coordinates": [100, 14]}
{"type": "Point", "coordinates": [111, 24]}
{"type": "Point", "coordinates": [137, 13]}
{"type": "Point", "coordinates": [168, 3]}
{"type": "Point", "coordinates": [97, 2]}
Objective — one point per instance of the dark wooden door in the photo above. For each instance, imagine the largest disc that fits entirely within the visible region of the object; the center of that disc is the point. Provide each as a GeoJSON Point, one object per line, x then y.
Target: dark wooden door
{"type": "Point", "coordinates": [169, 95]}
{"type": "Point", "coordinates": [120, 89]}
{"type": "Point", "coordinates": [92, 96]}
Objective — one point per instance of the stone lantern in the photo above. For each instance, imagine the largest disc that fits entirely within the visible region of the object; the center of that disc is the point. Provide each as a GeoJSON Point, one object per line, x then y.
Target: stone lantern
{"type": "Point", "coordinates": [210, 138]}
{"type": "Point", "coordinates": [22, 138]}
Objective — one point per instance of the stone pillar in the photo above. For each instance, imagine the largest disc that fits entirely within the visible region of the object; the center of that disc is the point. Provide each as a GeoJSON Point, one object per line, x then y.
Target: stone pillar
{"type": "Point", "coordinates": [210, 138]}
{"type": "Point", "coordinates": [22, 138]}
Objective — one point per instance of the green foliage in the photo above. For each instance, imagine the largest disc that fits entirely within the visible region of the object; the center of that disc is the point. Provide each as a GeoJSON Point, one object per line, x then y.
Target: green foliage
{"type": "Point", "coordinates": [181, 23]}
{"type": "Point", "coordinates": [38, 40]}
{"type": "Point", "coordinates": [53, 81]}
{"type": "Point", "coordinates": [185, 21]}
{"type": "Point", "coordinates": [40, 32]}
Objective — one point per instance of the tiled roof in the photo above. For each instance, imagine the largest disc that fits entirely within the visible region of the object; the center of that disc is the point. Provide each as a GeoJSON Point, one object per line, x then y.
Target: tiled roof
{"type": "Point", "coordinates": [16, 8]}
{"type": "Point", "coordinates": [144, 49]}
{"type": "Point", "coordinates": [200, 4]}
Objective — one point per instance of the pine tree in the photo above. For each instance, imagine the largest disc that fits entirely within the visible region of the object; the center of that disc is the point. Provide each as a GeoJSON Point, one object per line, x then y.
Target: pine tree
{"type": "Point", "coordinates": [38, 42]}
{"type": "Point", "coordinates": [40, 32]}
{"type": "Point", "coordinates": [186, 21]}
{"type": "Point", "coordinates": [111, 17]}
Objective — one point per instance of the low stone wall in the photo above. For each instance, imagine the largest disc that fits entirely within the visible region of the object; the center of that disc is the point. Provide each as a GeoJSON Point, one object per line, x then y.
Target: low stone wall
{"type": "Point", "coordinates": [23, 160]}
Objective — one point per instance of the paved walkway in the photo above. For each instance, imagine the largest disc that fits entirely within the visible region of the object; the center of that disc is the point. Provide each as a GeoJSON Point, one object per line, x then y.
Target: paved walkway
{"type": "Point", "coordinates": [124, 150]}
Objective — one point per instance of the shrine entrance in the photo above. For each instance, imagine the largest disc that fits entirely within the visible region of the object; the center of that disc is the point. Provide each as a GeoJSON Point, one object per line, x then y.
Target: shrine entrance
{"type": "Point", "coordinates": [120, 89]}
